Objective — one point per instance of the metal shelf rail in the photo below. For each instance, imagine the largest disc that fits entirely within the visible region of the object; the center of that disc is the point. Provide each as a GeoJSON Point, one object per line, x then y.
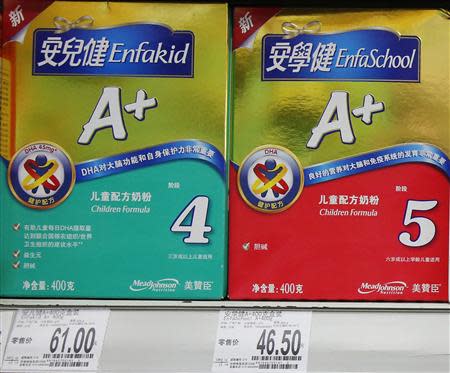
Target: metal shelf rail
{"type": "Point", "coordinates": [172, 336]}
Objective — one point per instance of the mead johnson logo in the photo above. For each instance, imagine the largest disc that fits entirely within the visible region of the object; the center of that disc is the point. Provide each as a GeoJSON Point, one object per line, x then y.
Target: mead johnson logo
{"type": "Point", "coordinates": [392, 287]}
{"type": "Point", "coordinates": [163, 285]}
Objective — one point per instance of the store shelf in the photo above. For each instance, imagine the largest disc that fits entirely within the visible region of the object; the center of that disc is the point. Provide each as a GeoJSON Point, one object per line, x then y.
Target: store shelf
{"type": "Point", "coordinates": [169, 304]}
{"type": "Point", "coordinates": [345, 337]}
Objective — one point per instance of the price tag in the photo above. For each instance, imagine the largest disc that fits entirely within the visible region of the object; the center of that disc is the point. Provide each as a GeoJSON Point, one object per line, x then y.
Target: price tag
{"type": "Point", "coordinates": [56, 339]}
{"type": "Point", "coordinates": [262, 341]}
{"type": "Point", "coordinates": [1, 343]}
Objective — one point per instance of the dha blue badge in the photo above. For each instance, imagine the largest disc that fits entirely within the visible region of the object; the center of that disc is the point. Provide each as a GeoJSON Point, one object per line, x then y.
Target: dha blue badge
{"type": "Point", "coordinates": [270, 179]}
{"type": "Point", "coordinates": [150, 50]}
{"type": "Point", "coordinates": [41, 175]}
{"type": "Point", "coordinates": [359, 55]}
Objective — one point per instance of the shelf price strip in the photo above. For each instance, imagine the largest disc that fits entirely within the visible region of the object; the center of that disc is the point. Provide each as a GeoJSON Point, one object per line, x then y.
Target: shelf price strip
{"type": "Point", "coordinates": [56, 339]}
{"type": "Point", "coordinates": [262, 341]}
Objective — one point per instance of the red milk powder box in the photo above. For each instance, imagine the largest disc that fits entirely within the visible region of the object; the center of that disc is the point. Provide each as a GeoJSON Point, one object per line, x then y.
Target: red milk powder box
{"type": "Point", "coordinates": [339, 184]}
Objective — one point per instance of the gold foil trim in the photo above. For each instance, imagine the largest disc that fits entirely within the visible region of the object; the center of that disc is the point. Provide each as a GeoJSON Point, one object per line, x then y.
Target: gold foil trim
{"type": "Point", "coordinates": [292, 30]}
{"type": "Point", "coordinates": [63, 24]}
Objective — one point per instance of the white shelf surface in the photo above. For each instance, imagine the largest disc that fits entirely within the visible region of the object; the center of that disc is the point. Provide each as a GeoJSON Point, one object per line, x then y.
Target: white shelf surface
{"type": "Point", "coordinates": [345, 337]}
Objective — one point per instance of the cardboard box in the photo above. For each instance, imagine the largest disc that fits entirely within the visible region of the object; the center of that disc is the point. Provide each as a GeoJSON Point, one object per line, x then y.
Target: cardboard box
{"type": "Point", "coordinates": [339, 187]}
{"type": "Point", "coordinates": [113, 146]}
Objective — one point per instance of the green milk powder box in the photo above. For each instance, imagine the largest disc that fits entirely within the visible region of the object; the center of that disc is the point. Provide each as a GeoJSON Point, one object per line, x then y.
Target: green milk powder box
{"type": "Point", "coordinates": [113, 169]}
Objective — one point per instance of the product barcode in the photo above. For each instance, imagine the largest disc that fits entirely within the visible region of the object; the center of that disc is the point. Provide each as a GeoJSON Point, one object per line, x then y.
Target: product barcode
{"type": "Point", "coordinates": [277, 366]}
{"type": "Point", "coordinates": [69, 364]}
{"type": "Point", "coordinates": [277, 358]}
{"type": "Point", "coordinates": [68, 356]}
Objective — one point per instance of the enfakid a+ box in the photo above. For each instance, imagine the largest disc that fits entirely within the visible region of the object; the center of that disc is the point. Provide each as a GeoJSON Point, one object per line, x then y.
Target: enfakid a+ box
{"type": "Point", "coordinates": [113, 144]}
{"type": "Point", "coordinates": [339, 183]}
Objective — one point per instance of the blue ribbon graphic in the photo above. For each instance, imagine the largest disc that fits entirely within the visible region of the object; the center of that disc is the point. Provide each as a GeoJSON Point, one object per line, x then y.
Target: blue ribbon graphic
{"type": "Point", "coordinates": [177, 150]}
{"type": "Point", "coordinates": [394, 155]}
{"type": "Point", "coordinates": [365, 55]}
{"type": "Point", "coordinates": [73, 48]}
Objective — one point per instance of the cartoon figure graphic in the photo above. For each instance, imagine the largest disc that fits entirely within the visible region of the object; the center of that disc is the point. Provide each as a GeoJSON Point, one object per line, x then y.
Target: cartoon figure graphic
{"type": "Point", "coordinates": [270, 177]}
{"type": "Point", "coordinates": [41, 173]}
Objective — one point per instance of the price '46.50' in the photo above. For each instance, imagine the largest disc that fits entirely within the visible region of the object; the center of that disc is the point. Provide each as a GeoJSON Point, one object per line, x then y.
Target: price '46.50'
{"type": "Point", "coordinates": [291, 342]}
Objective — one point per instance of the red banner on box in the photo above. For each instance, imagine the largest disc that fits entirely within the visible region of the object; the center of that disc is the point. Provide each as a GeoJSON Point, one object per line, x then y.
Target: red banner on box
{"type": "Point", "coordinates": [17, 14]}
{"type": "Point", "coordinates": [246, 21]}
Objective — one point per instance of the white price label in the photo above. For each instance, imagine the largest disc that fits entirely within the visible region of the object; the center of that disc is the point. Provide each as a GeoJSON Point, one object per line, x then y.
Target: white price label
{"type": "Point", "coordinates": [56, 339]}
{"type": "Point", "coordinates": [262, 341]}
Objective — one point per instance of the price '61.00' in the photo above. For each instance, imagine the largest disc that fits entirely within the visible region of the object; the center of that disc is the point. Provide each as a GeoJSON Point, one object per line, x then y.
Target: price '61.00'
{"type": "Point", "coordinates": [81, 341]}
